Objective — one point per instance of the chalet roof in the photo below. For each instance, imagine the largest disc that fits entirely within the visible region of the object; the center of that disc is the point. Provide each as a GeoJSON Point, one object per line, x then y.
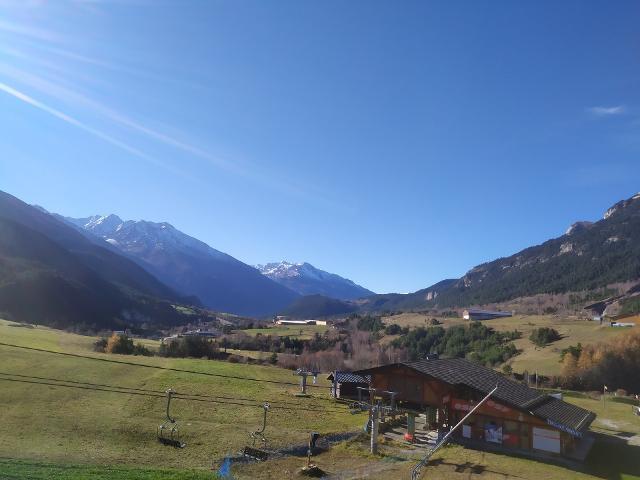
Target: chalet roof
{"type": "Point", "coordinates": [563, 414]}
{"type": "Point", "coordinates": [349, 377]}
{"type": "Point", "coordinates": [458, 371]}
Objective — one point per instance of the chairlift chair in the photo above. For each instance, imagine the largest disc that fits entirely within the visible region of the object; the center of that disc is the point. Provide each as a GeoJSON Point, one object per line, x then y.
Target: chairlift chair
{"type": "Point", "coordinates": [168, 433]}
{"type": "Point", "coordinates": [252, 451]}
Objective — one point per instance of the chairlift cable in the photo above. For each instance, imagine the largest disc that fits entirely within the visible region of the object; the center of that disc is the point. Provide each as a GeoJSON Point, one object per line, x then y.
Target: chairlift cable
{"type": "Point", "coordinates": [162, 393]}
{"type": "Point", "coordinates": [141, 392]}
{"type": "Point", "coordinates": [121, 362]}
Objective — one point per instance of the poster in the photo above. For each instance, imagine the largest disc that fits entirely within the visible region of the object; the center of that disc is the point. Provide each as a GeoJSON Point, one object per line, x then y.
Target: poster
{"type": "Point", "coordinates": [492, 432]}
{"type": "Point", "coordinates": [466, 431]}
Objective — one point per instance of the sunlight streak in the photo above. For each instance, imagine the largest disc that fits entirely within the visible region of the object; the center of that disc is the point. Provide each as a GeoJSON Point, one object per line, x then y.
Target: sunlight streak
{"type": "Point", "coordinates": [77, 123]}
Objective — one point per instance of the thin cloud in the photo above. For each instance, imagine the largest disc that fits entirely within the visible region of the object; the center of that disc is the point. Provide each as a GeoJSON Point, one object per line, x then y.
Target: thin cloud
{"type": "Point", "coordinates": [77, 123]}
{"type": "Point", "coordinates": [607, 111]}
{"type": "Point", "coordinates": [31, 32]}
{"type": "Point", "coordinates": [243, 169]}
{"type": "Point", "coordinates": [75, 99]}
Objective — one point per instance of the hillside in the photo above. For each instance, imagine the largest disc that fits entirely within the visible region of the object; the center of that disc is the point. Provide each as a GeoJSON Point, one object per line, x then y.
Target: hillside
{"type": "Point", "coordinates": [545, 360]}
{"type": "Point", "coordinates": [587, 257]}
{"type": "Point", "coordinates": [118, 429]}
{"type": "Point", "coordinates": [50, 274]}
{"type": "Point", "coordinates": [111, 434]}
{"type": "Point", "coordinates": [314, 306]}
{"type": "Point", "coordinates": [190, 266]}
{"type": "Point", "coordinates": [306, 279]}
{"type": "Point", "coordinates": [398, 301]}
{"type": "Point", "coordinates": [111, 266]}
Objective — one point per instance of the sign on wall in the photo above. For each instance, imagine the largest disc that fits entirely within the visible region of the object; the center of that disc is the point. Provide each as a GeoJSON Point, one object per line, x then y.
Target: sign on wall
{"type": "Point", "coordinates": [546, 440]}
{"type": "Point", "coordinates": [492, 432]}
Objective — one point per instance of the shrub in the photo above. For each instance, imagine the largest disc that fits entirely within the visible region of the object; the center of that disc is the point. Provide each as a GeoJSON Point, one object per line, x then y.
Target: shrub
{"type": "Point", "coordinates": [196, 347]}
{"type": "Point", "coordinates": [121, 344]}
{"type": "Point", "coordinates": [393, 329]}
{"type": "Point", "coordinates": [100, 345]}
{"type": "Point", "coordinates": [273, 359]}
{"type": "Point", "coordinates": [140, 349]}
{"type": "Point", "coordinates": [370, 324]}
{"type": "Point", "coordinates": [543, 336]}
{"type": "Point", "coordinates": [573, 350]}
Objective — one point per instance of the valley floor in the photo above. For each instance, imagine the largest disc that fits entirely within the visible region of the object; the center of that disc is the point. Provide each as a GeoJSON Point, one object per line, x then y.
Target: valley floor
{"type": "Point", "coordinates": [50, 431]}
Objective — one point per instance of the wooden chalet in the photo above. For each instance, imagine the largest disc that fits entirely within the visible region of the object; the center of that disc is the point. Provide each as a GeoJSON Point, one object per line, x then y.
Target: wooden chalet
{"type": "Point", "coordinates": [516, 418]}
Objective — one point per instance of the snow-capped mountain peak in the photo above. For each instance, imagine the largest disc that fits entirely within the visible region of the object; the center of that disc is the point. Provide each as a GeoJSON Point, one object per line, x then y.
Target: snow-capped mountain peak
{"type": "Point", "coordinates": [306, 279]}
{"type": "Point", "coordinates": [189, 265]}
{"type": "Point", "coordinates": [280, 269]}
{"type": "Point", "coordinates": [136, 236]}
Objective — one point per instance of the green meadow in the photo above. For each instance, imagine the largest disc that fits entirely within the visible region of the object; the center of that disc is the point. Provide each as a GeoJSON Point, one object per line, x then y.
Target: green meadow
{"type": "Point", "coordinates": [71, 434]}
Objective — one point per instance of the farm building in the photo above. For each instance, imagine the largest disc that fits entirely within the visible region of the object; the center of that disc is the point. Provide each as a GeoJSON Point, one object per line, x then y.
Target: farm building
{"type": "Point", "coordinates": [202, 333]}
{"type": "Point", "coordinates": [515, 419]}
{"type": "Point", "coordinates": [474, 314]}
{"type": "Point", "coordinates": [192, 333]}
{"type": "Point", "coordinates": [629, 319]}
{"type": "Point", "coordinates": [281, 321]}
{"type": "Point", "coordinates": [345, 384]}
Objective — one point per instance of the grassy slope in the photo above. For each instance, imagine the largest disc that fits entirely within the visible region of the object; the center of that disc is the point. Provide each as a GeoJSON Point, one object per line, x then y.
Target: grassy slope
{"type": "Point", "coordinates": [19, 469]}
{"type": "Point", "coordinates": [303, 332]}
{"type": "Point", "coordinates": [532, 358]}
{"type": "Point", "coordinates": [76, 426]}
{"type": "Point", "coordinates": [76, 434]}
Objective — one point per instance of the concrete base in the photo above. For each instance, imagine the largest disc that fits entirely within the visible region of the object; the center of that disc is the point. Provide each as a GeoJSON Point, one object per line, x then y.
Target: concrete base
{"type": "Point", "coordinates": [312, 471]}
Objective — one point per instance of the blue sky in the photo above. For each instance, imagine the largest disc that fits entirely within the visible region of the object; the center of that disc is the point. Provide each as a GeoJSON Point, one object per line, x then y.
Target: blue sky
{"type": "Point", "coordinates": [394, 143]}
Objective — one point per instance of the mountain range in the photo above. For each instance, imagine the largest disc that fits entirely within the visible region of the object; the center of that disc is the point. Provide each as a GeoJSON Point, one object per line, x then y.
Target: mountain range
{"type": "Point", "coordinates": [190, 266]}
{"type": "Point", "coordinates": [102, 271]}
{"type": "Point", "coordinates": [306, 279]}
{"type": "Point", "coordinates": [51, 274]}
{"type": "Point", "coordinates": [589, 256]}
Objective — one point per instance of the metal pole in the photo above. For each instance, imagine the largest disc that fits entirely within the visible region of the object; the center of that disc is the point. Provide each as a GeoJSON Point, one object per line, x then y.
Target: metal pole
{"type": "Point", "coordinates": [415, 473]}
{"type": "Point", "coordinates": [374, 430]}
{"type": "Point", "coordinates": [169, 393]}
{"type": "Point", "coordinates": [372, 392]}
{"type": "Point", "coordinates": [393, 400]}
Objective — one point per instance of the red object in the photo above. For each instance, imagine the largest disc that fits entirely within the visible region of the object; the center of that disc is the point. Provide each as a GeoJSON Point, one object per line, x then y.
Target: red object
{"type": "Point", "coordinates": [408, 437]}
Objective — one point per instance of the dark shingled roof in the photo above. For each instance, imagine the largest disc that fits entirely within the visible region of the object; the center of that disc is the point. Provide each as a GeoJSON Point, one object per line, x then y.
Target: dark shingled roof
{"type": "Point", "coordinates": [458, 371]}
{"type": "Point", "coordinates": [348, 377]}
{"type": "Point", "coordinates": [463, 372]}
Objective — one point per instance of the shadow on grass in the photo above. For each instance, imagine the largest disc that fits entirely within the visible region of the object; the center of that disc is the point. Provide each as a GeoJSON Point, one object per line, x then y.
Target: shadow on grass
{"type": "Point", "coordinates": [467, 467]}
{"type": "Point", "coordinates": [613, 458]}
